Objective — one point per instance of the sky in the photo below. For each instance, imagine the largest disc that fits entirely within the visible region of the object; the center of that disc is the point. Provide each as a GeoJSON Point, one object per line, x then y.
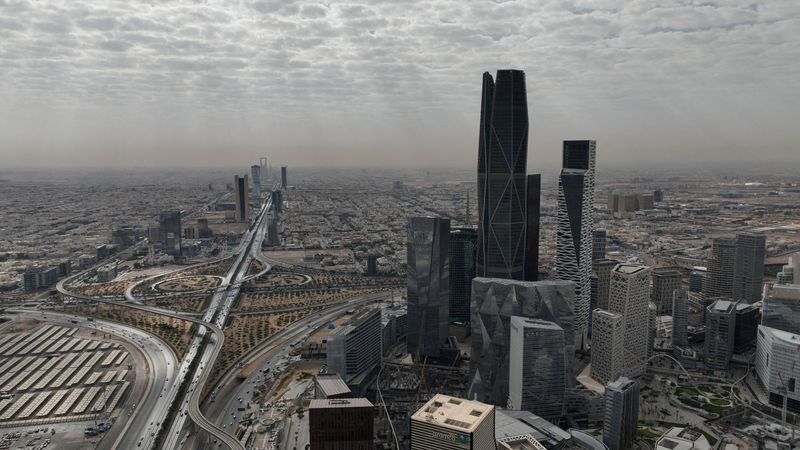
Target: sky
{"type": "Point", "coordinates": [89, 83]}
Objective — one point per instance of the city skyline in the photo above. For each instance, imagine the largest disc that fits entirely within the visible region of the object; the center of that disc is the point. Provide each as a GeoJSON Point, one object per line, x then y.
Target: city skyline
{"type": "Point", "coordinates": [181, 84]}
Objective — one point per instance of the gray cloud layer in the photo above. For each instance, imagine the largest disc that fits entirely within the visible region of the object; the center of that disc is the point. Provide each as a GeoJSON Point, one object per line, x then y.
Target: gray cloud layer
{"type": "Point", "coordinates": [391, 81]}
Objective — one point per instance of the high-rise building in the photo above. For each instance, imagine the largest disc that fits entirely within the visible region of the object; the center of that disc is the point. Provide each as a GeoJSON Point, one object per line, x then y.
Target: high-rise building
{"type": "Point", "coordinates": [608, 345]}
{"type": "Point", "coordinates": [696, 279]}
{"type": "Point", "coordinates": [621, 414]}
{"type": "Point", "coordinates": [242, 198]}
{"type": "Point", "coordinates": [576, 227]}
{"type": "Point", "coordinates": [599, 239]}
{"type": "Point", "coordinates": [169, 230]}
{"type": "Point", "coordinates": [538, 367]}
{"type": "Point", "coordinates": [778, 366]}
{"type": "Point", "coordinates": [255, 174]}
{"type": "Point", "coordinates": [720, 329]}
{"type": "Point", "coordinates": [428, 285]}
{"type": "Point", "coordinates": [748, 317]}
{"type": "Point", "coordinates": [450, 423]}
{"type": "Point", "coordinates": [494, 302]}
{"type": "Point", "coordinates": [790, 273]}
{"type": "Point", "coordinates": [602, 269]}
{"type": "Point", "coordinates": [630, 294]}
{"type": "Point", "coordinates": [680, 319]}
{"type": "Point", "coordinates": [462, 270]}
{"type": "Point", "coordinates": [284, 179]}
{"type": "Point", "coordinates": [719, 278]}
{"type": "Point", "coordinates": [665, 282]}
{"type": "Point", "coordinates": [355, 346]}
{"type": "Point", "coordinates": [533, 188]}
{"type": "Point", "coordinates": [502, 186]}
{"type": "Point", "coordinates": [341, 424]}
{"type": "Point", "coordinates": [781, 309]}
{"type": "Point", "coordinates": [748, 278]}
{"type": "Point", "coordinates": [652, 317]}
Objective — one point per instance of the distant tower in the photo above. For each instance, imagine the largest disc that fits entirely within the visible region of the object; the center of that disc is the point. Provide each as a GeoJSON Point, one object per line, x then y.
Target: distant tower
{"type": "Point", "coordinates": [720, 334]}
{"type": "Point", "coordinates": [428, 285]}
{"type": "Point", "coordinates": [630, 295]}
{"type": "Point", "coordinates": [576, 227]}
{"type": "Point", "coordinates": [748, 277]}
{"type": "Point", "coordinates": [680, 318]}
{"type": "Point", "coordinates": [169, 230]}
{"type": "Point", "coordinates": [621, 416]}
{"type": "Point", "coordinates": [467, 218]}
{"type": "Point", "coordinates": [284, 181]}
{"type": "Point", "coordinates": [608, 345]}
{"type": "Point", "coordinates": [502, 166]}
{"type": "Point", "coordinates": [533, 188]}
{"type": "Point", "coordinates": [538, 367]}
{"type": "Point", "coordinates": [665, 282]}
{"type": "Point", "coordinates": [241, 188]}
{"type": "Point", "coordinates": [599, 239]}
{"type": "Point", "coordinates": [719, 278]}
{"type": "Point", "coordinates": [255, 173]}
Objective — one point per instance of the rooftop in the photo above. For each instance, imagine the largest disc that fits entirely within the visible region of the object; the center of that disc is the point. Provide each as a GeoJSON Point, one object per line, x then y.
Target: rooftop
{"type": "Point", "coordinates": [629, 269]}
{"type": "Point", "coordinates": [454, 413]}
{"type": "Point", "coordinates": [332, 384]}
{"type": "Point", "coordinates": [340, 403]}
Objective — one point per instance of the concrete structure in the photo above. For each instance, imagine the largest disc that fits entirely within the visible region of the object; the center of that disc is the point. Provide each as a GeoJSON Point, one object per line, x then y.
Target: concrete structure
{"type": "Point", "coordinates": [677, 438]}
{"type": "Point", "coordinates": [630, 294]}
{"type": "Point", "coordinates": [39, 277]}
{"type": "Point", "coordinates": [504, 208]}
{"type": "Point", "coordinates": [748, 317]}
{"type": "Point", "coordinates": [720, 329]}
{"type": "Point", "coordinates": [450, 423]}
{"type": "Point", "coordinates": [778, 366]}
{"type": "Point", "coordinates": [599, 239]}
{"type": "Point", "coordinates": [748, 277]}
{"type": "Point", "coordinates": [680, 319]}
{"type": "Point", "coordinates": [341, 424]}
{"type": "Point", "coordinates": [576, 227]}
{"type": "Point", "coordinates": [461, 253]}
{"type": "Point", "coordinates": [428, 277]}
{"type": "Point", "coordinates": [608, 345]}
{"type": "Point", "coordinates": [538, 370]}
{"type": "Point", "coordinates": [665, 282]}
{"type": "Point", "coordinates": [621, 414]}
{"type": "Point", "coordinates": [242, 198]}
{"type": "Point", "coordinates": [696, 278]}
{"type": "Point", "coordinates": [790, 273]}
{"type": "Point", "coordinates": [719, 278]}
{"type": "Point", "coordinates": [355, 346]}
{"type": "Point", "coordinates": [494, 302]}
{"type": "Point", "coordinates": [330, 385]}
{"type": "Point", "coordinates": [169, 232]}
{"type": "Point", "coordinates": [255, 176]}
{"type": "Point", "coordinates": [781, 309]}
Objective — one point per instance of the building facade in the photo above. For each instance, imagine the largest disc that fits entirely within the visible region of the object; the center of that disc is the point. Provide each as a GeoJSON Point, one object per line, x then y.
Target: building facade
{"type": "Point", "coordinates": [284, 178]}
{"type": "Point", "coordinates": [778, 366]}
{"type": "Point", "coordinates": [608, 345]}
{"type": "Point", "coordinates": [748, 278]}
{"type": "Point", "coordinates": [719, 277]}
{"type": "Point", "coordinates": [630, 295]}
{"type": "Point", "coordinates": [355, 346]}
{"type": "Point", "coordinates": [494, 302]}
{"type": "Point", "coordinates": [621, 414]}
{"type": "Point", "coordinates": [242, 198]}
{"type": "Point", "coordinates": [575, 230]}
{"type": "Point", "coordinates": [169, 232]}
{"type": "Point", "coordinates": [720, 334]}
{"type": "Point", "coordinates": [599, 239]}
{"type": "Point", "coordinates": [341, 424]}
{"type": "Point", "coordinates": [680, 319]}
{"type": "Point", "coordinates": [538, 367]}
{"type": "Point", "coordinates": [665, 282]}
{"type": "Point", "coordinates": [428, 276]}
{"type": "Point", "coordinates": [462, 270]}
{"type": "Point", "coordinates": [781, 309]}
{"type": "Point", "coordinates": [450, 423]}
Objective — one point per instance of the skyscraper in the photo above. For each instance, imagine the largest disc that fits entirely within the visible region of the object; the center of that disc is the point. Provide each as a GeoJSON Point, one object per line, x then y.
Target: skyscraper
{"type": "Point", "coordinates": [599, 238]}
{"type": "Point", "coordinates": [719, 277]}
{"type": "Point", "coordinates": [781, 309]}
{"type": "Point", "coordinates": [502, 165]}
{"type": "Point", "coordinates": [720, 329]}
{"type": "Point", "coordinates": [630, 295]}
{"type": "Point", "coordinates": [255, 173]}
{"type": "Point", "coordinates": [665, 282]}
{"type": "Point", "coordinates": [428, 285]}
{"type": "Point", "coordinates": [621, 414]}
{"type": "Point", "coordinates": [450, 423]}
{"type": "Point", "coordinates": [462, 270]}
{"type": "Point", "coordinates": [576, 227]}
{"type": "Point", "coordinates": [608, 345]}
{"type": "Point", "coordinates": [355, 346]}
{"type": "Point", "coordinates": [494, 302]}
{"type": "Point", "coordinates": [680, 318]}
{"type": "Point", "coordinates": [532, 211]}
{"type": "Point", "coordinates": [169, 230]}
{"type": "Point", "coordinates": [242, 198]}
{"type": "Point", "coordinates": [778, 366]}
{"type": "Point", "coordinates": [284, 179]}
{"type": "Point", "coordinates": [748, 277]}
{"type": "Point", "coordinates": [538, 367]}
{"type": "Point", "coordinates": [603, 268]}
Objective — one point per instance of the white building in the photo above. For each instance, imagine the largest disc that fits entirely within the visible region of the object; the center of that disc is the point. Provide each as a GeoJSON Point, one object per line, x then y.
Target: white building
{"type": "Point", "coordinates": [608, 341]}
{"type": "Point", "coordinates": [778, 365]}
{"type": "Point", "coordinates": [677, 438]}
{"type": "Point", "coordinates": [450, 423]}
{"type": "Point", "coordinates": [630, 297]}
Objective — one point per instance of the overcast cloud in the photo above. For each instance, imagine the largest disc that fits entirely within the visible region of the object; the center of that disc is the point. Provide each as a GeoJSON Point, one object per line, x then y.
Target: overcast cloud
{"type": "Point", "coordinates": [392, 82]}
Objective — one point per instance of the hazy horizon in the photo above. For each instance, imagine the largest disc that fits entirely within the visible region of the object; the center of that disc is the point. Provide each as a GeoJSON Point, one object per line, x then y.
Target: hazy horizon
{"type": "Point", "coordinates": [392, 83]}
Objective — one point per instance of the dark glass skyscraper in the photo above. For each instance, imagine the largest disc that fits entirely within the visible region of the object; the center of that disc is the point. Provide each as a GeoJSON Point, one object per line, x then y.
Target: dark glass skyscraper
{"type": "Point", "coordinates": [428, 283]}
{"type": "Point", "coordinates": [502, 190]}
{"type": "Point", "coordinates": [462, 271]}
{"type": "Point", "coordinates": [748, 274]}
{"type": "Point", "coordinates": [169, 230]}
